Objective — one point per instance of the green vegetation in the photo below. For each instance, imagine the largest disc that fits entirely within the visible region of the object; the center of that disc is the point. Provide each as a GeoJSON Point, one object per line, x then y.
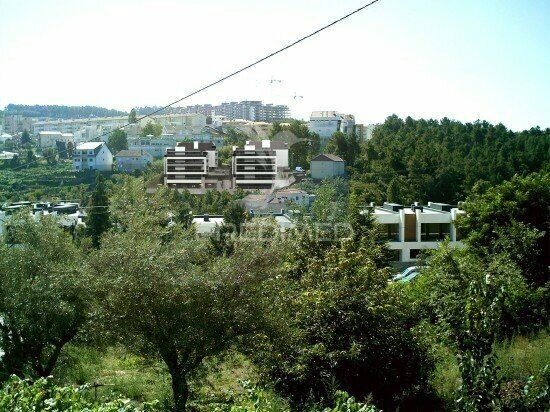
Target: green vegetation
{"type": "Point", "coordinates": [441, 161]}
{"type": "Point", "coordinates": [42, 182]}
{"type": "Point", "coordinates": [252, 319]}
{"type": "Point", "coordinates": [60, 112]}
{"type": "Point", "coordinates": [117, 141]}
{"type": "Point", "coordinates": [151, 128]}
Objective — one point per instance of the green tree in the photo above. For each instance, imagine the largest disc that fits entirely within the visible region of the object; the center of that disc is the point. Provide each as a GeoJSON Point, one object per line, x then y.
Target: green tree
{"type": "Point", "coordinates": [165, 297]}
{"type": "Point", "coordinates": [44, 300]}
{"type": "Point", "coordinates": [337, 324]}
{"type": "Point", "coordinates": [513, 218]}
{"type": "Point", "coordinates": [30, 156]}
{"type": "Point", "coordinates": [50, 154]}
{"type": "Point", "coordinates": [151, 128]}
{"type": "Point", "coordinates": [118, 141]}
{"type": "Point", "coordinates": [470, 299]}
{"type": "Point", "coordinates": [98, 221]}
{"type": "Point", "coordinates": [25, 137]}
{"type": "Point", "coordinates": [235, 215]}
{"type": "Point", "coordinates": [344, 145]}
{"type": "Point", "coordinates": [132, 117]}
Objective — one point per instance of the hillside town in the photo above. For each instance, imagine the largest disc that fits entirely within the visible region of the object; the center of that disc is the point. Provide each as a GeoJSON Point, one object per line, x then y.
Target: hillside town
{"type": "Point", "coordinates": [233, 206]}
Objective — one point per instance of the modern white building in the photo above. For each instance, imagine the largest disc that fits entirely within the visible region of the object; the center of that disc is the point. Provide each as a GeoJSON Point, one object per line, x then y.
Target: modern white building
{"type": "Point", "coordinates": [93, 156]}
{"type": "Point", "coordinates": [132, 160]}
{"type": "Point", "coordinates": [258, 164]}
{"type": "Point", "coordinates": [326, 123]}
{"type": "Point", "coordinates": [50, 139]}
{"type": "Point", "coordinates": [409, 230]}
{"type": "Point", "coordinates": [188, 164]}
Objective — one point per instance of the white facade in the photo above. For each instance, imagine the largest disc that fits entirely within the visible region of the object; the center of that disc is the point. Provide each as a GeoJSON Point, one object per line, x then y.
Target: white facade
{"type": "Point", "coordinates": [155, 146]}
{"type": "Point", "coordinates": [93, 156]}
{"type": "Point", "coordinates": [326, 123]}
{"type": "Point", "coordinates": [412, 229]}
{"type": "Point", "coordinates": [50, 139]}
{"type": "Point", "coordinates": [188, 164]}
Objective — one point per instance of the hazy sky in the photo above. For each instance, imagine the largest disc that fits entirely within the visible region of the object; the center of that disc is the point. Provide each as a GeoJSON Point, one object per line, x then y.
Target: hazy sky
{"type": "Point", "coordinates": [464, 59]}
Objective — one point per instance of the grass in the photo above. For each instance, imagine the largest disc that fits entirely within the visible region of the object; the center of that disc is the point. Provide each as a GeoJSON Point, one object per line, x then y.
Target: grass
{"type": "Point", "coordinates": [518, 359]}
{"type": "Point", "coordinates": [218, 383]}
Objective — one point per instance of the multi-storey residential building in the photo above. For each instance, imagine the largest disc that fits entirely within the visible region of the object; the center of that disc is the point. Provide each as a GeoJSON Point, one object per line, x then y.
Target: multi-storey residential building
{"type": "Point", "coordinates": [253, 110]}
{"type": "Point", "coordinates": [409, 230]}
{"type": "Point", "coordinates": [17, 123]}
{"type": "Point", "coordinates": [103, 126]}
{"type": "Point", "coordinates": [257, 165]}
{"type": "Point", "coordinates": [326, 123]}
{"type": "Point", "coordinates": [131, 160]}
{"type": "Point", "coordinates": [194, 165]}
{"type": "Point", "coordinates": [93, 156]}
{"type": "Point", "coordinates": [50, 139]}
{"type": "Point", "coordinates": [188, 164]}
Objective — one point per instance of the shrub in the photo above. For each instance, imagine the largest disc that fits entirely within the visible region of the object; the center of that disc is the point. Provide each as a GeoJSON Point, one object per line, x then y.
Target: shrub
{"type": "Point", "coordinates": [42, 395]}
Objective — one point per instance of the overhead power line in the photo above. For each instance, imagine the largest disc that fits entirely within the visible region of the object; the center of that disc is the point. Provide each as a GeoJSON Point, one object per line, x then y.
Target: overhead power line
{"type": "Point", "coordinates": [234, 73]}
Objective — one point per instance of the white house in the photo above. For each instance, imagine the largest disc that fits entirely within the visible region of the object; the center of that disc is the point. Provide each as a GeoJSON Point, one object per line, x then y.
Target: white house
{"type": "Point", "coordinates": [409, 230]}
{"type": "Point", "coordinates": [93, 156]}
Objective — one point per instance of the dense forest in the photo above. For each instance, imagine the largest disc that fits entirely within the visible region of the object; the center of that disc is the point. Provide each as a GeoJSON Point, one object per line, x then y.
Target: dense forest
{"type": "Point", "coordinates": [441, 161]}
{"type": "Point", "coordinates": [60, 112]}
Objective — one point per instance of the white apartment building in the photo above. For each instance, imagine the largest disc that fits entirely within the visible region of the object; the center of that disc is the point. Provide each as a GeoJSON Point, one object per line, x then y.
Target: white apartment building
{"type": "Point", "coordinates": [188, 164]}
{"type": "Point", "coordinates": [50, 139]}
{"type": "Point", "coordinates": [155, 146]}
{"type": "Point", "coordinates": [93, 156]}
{"type": "Point", "coordinates": [409, 230]}
{"type": "Point", "coordinates": [326, 123]}
{"type": "Point", "coordinates": [257, 165]}
{"type": "Point", "coordinates": [102, 126]}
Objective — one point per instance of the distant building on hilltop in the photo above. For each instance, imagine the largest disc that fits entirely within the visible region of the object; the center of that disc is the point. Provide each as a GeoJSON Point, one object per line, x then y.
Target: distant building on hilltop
{"type": "Point", "coordinates": [50, 139]}
{"type": "Point", "coordinates": [131, 160]}
{"type": "Point", "coordinates": [253, 110]}
{"type": "Point", "coordinates": [327, 166]}
{"type": "Point", "coordinates": [326, 123]}
{"type": "Point", "coordinates": [93, 156]}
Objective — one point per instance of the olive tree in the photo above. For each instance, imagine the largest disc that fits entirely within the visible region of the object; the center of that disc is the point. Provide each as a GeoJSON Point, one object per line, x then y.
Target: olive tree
{"type": "Point", "coordinates": [44, 300]}
{"type": "Point", "coordinates": [164, 296]}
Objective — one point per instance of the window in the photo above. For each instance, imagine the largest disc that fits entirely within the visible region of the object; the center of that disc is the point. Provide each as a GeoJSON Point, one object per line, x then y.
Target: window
{"type": "Point", "coordinates": [435, 231]}
{"type": "Point", "coordinates": [414, 253]}
{"type": "Point", "coordinates": [390, 232]}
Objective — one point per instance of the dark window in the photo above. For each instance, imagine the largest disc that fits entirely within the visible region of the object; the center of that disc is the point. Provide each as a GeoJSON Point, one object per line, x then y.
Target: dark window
{"type": "Point", "coordinates": [414, 253]}
{"type": "Point", "coordinates": [390, 232]}
{"type": "Point", "coordinates": [435, 231]}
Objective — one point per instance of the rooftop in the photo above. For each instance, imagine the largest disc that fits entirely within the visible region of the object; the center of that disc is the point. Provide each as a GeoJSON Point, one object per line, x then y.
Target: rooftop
{"type": "Point", "coordinates": [131, 153]}
{"type": "Point", "coordinates": [327, 157]}
{"type": "Point", "coordinates": [89, 145]}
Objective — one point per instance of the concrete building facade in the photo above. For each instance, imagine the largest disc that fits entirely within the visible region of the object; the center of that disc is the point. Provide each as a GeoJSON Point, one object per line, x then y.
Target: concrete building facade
{"type": "Point", "coordinates": [327, 166]}
{"type": "Point", "coordinates": [409, 230]}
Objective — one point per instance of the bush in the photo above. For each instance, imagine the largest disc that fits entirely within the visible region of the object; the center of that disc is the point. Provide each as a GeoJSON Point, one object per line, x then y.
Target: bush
{"type": "Point", "coordinates": [42, 395]}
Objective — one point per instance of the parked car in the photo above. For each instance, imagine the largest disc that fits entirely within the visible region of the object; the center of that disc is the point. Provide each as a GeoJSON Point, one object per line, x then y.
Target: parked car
{"type": "Point", "coordinates": [407, 275]}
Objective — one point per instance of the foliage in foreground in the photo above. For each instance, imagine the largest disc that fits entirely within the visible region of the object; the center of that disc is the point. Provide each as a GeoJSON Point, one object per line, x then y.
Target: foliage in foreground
{"type": "Point", "coordinates": [43, 395]}
{"type": "Point", "coordinates": [44, 298]}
